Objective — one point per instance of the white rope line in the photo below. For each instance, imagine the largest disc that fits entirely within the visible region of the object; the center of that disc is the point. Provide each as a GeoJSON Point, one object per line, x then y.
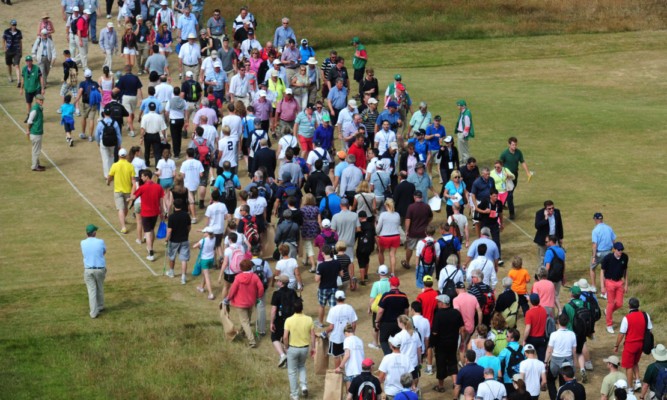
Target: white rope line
{"type": "Point", "coordinates": [521, 229]}
{"type": "Point", "coordinates": [120, 235]}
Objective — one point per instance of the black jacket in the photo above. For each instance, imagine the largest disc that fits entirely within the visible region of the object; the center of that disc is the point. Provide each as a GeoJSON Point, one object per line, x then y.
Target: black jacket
{"type": "Point", "coordinates": [542, 226]}
{"type": "Point", "coordinates": [265, 157]}
{"type": "Point", "coordinates": [403, 197]}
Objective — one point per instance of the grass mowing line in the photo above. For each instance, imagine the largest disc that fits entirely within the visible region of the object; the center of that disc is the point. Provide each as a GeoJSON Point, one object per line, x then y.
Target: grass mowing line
{"type": "Point", "coordinates": [521, 229]}
{"type": "Point", "coordinates": [83, 196]}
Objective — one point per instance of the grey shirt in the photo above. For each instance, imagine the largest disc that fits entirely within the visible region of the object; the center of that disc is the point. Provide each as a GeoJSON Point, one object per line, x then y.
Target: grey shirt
{"type": "Point", "coordinates": [350, 178]}
{"type": "Point", "coordinates": [345, 223]}
{"type": "Point", "coordinates": [157, 62]}
{"type": "Point", "coordinates": [293, 169]}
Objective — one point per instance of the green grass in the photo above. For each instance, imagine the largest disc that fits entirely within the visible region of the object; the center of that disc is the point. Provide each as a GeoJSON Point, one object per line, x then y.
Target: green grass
{"type": "Point", "coordinates": [589, 114]}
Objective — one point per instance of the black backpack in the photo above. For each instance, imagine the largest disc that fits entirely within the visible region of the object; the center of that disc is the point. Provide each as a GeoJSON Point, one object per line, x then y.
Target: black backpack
{"type": "Point", "coordinates": [287, 299]}
{"type": "Point", "coordinates": [582, 323]}
{"type": "Point", "coordinates": [115, 111]}
{"type": "Point", "coordinates": [109, 137]}
{"type": "Point", "coordinates": [593, 305]}
{"type": "Point", "coordinates": [515, 358]}
{"type": "Point", "coordinates": [366, 391]}
{"type": "Point", "coordinates": [73, 29]}
{"type": "Point", "coordinates": [557, 268]}
{"type": "Point", "coordinates": [228, 189]}
{"type": "Point", "coordinates": [449, 288]}
{"type": "Point", "coordinates": [326, 213]}
{"type": "Point", "coordinates": [366, 242]}
{"type": "Point", "coordinates": [329, 240]}
{"type": "Point", "coordinates": [217, 44]}
{"type": "Point", "coordinates": [261, 189]}
{"type": "Point", "coordinates": [259, 271]}
{"type": "Point", "coordinates": [289, 191]}
{"type": "Point", "coordinates": [446, 249]}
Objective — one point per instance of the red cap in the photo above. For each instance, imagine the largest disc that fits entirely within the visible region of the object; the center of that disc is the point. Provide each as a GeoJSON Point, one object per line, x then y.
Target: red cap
{"type": "Point", "coordinates": [400, 87]}
{"type": "Point", "coordinates": [393, 281]}
{"type": "Point", "coordinates": [367, 363]}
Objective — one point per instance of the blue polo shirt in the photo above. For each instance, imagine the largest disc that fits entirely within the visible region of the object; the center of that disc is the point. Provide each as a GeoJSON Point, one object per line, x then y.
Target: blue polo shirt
{"type": "Point", "coordinates": [434, 142]}
{"type": "Point", "coordinates": [128, 85]}
{"type": "Point", "coordinates": [338, 171]}
{"type": "Point", "coordinates": [604, 236]}
{"type": "Point", "coordinates": [338, 97]}
{"type": "Point", "coordinates": [187, 25]}
{"type": "Point", "coordinates": [422, 148]}
{"type": "Point", "coordinates": [481, 188]}
{"type": "Point", "coordinates": [334, 204]}
{"type": "Point", "coordinates": [491, 248]}
{"type": "Point", "coordinates": [385, 115]}
{"type": "Point", "coordinates": [549, 255]}
{"type": "Point", "coordinates": [148, 100]}
{"type": "Point", "coordinates": [93, 250]}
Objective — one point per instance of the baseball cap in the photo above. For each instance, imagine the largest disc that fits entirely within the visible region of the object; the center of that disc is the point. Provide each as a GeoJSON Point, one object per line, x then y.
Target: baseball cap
{"type": "Point", "coordinates": [122, 153]}
{"type": "Point", "coordinates": [396, 342]}
{"type": "Point", "coordinates": [448, 139]}
{"type": "Point", "coordinates": [427, 278]}
{"type": "Point", "coordinates": [109, 24]}
{"type": "Point", "coordinates": [276, 62]}
{"type": "Point", "coordinates": [443, 298]}
{"type": "Point", "coordinates": [400, 86]}
{"type": "Point", "coordinates": [437, 118]}
{"type": "Point", "coordinates": [274, 73]}
{"type": "Point", "coordinates": [164, 3]}
{"type": "Point", "coordinates": [188, 73]}
{"type": "Point", "coordinates": [418, 194]}
{"type": "Point", "coordinates": [225, 38]}
{"type": "Point", "coordinates": [283, 278]}
{"type": "Point", "coordinates": [326, 118]}
{"type": "Point", "coordinates": [352, 103]}
{"type": "Point", "coordinates": [192, 36]}
{"type": "Point", "coordinates": [392, 104]}
{"type": "Point", "coordinates": [529, 347]}
{"type": "Point", "coordinates": [354, 40]}
{"type": "Point", "coordinates": [214, 53]}
{"type": "Point", "coordinates": [202, 31]}
{"type": "Point", "coordinates": [566, 364]}
{"type": "Point", "coordinates": [75, 8]}
{"type": "Point", "coordinates": [393, 145]}
{"type": "Point", "coordinates": [88, 73]}
{"type": "Point", "coordinates": [379, 164]}
{"type": "Point", "coordinates": [597, 215]}
{"type": "Point", "coordinates": [87, 11]}
{"type": "Point", "coordinates": [618, 246]}
{"type": "Point", "coordinates": [621, 384]}
{"type": "Point", "coordinates": [28, 58]}
{"type": "Point", "coordinates": [44, 32]}
{"type": "Point", "coordinates": [613, 360]}
{"type": "Point", "coordinates": [344, 201]}
{"type": "Point", "coordinates": [326, 223]}
{"type": "Point", "coordinates": [262, 93]}
{"type": "Point", "coordinates": [461, 103]}
{"type": "Point", "coordinates": [207, 229]}
{"type": "Point", "coordinates": [383, 270]}
{"type": "Point", "coordinates": [288, 90]}
{"type": "Point", "coordinates": [372, 100]}
{"type": "Point", "coordinates": [398, 77]}
{"type": "Point", "coordinates": [341, 154]}
{"type": "Point", "coordinates": [339, 294]}
{"type": "Point", "coordinates": [534, 297]}
{"type": "Point", "coordinates": [251, 31]}
{"type": "Point", "coordinates": [217, 65]}
{"type": "Point", "coordinates": [367, 363]}
{"type": "Point", "coordinates": [304, 41]}
{"type": "Point", "coordinates": [575, 290]}
{"type": "Point", "coordinates": [139, 17]}
{"type": "Point", "coordinates": [517, 377]}
{"type": "Point", "coordinates": [15, 23]}
{"type": "Point", "coordinates": [460, 285]}
{"type": "Point", "coordinates": [91, 228]}
{"type": "Point", "coordinates": [394, 281]}
{"type": "Point", "coordinates": [246, 21]}
{"type": "Point", "coordinates": [39, 97]}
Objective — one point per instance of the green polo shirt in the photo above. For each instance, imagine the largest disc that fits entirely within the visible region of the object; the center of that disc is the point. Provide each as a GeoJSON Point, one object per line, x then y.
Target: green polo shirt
{"type": "Point", "coordinates": [512, 161]}
{"type": "Point", "coordinates": [31, 81]}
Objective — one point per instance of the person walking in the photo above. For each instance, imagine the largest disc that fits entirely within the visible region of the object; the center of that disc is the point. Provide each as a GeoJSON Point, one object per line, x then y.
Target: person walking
{"type": "Point", "coordinates": [31, 84]}
{"type": "Point", "coordinates": [44, 52]}
{"type": "Point", "coordinates": [244, 293]}
{"type": "Point", "coordinates": [299, 335]}
{"type": "Point", "coordinates": [124, 181]}
{"type": "Point", "coordinates": [603, 238]}
{"type": "Point", "coordinates": [632, 331]}
{"type": "Point", "coordinates": [152, 206]}
{"type": "Point", "coordinates": [95, 271]}
{"type": "Point", "coordinates": [178, 230]}
{"type": "Point", "coordinates": [614, 282]}
{"type": "Point", "coordinates": [36, 131]}
{"type": "Point", "coordinates": [464, 131]}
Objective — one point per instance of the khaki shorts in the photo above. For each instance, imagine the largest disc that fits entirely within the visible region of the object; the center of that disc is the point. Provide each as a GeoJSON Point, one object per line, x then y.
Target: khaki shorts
{"type": "Point", "coordinates": [412, 243]}
{"type": "Point", "coordinates": [130, 103]}
{"type": "Point", "coordinates": [308, 247]}
{"type": "Point", "coordinates": [120, 199]}
{"type": "Point", "coordinates": [87, 111]}
{"type": "Point", "coordinates": [192, 197]}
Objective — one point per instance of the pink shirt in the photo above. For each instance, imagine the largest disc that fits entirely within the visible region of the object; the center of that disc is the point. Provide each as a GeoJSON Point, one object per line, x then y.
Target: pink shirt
{"type": "Point", "coordinates": [467, 305]}
{"type": "Point", "coordinates": [287, 109]}
{"type": "Point", "coordinates": [547, 292]}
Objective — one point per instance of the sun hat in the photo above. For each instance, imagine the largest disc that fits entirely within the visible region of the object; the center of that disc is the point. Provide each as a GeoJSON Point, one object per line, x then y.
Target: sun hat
{"type": "Point", "coordinates": [659, 353]}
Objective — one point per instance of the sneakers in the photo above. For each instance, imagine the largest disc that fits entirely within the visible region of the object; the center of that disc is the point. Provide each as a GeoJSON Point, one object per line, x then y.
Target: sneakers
{"type": "Point", "coordinates": [500, 262]}
{"type": "Point", "coordinates": [593, 289]}
{"type": "Point", "coordinates": [183, 279]}
{"type": "Point", "coordinates": [90, 139]}
{"type": "Point", "coordinates": [304, 392]}
{"type": "Point", "coordinates": [428, 371]}
{"type": "Point", "coordinates": [604, 296]}
{"type": "Point", "coordinates": [150, 257]}
{"type": "Point", "coordinates": [108, 16]}
{"type": "Point", "coordinates": [638, 384]}
{"type": "Point", "coordinates": [10, 78]}
{"type": "Point", "coordinates": [584, 377]}
{"type": "Point", "coordinates": [82, 135]}
{"type": "Point", "coordinates": [211, 296]}
{"type": "Point", "coordinates": [588, 365]}
{"type": "Point", "coordinates": [58, 111]}
{"type": "Point", "coordinates": [283, 361]}
{"type": "Point", "coordinates": [123, 230]}
{"type": "Point", "coordinates": [137, 241]}
{"type": "Point", "coordinates": [200, 289]}
{"type": "Point", "coordinates": [77, 112]}
{"type": "Point", "coordinates": [610, 329]}
{"type": "Point", "coordinates": [193, 221]}
{"type": "Point", "coordinates": [318, 324]}
{"type": "Point", "coordinates": [373, 346]}
{"type": "Point", "coordinates": [170, 273]}
{"type": "Point", "coordinates": [131, 134]}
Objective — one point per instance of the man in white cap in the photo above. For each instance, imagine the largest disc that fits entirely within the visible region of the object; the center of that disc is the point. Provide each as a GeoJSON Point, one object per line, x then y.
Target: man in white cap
{"type": "Point", "coordinates": [379, 288]}
{"type": "Point", "coordinates": [391, 368]}
{"type": "Point", "coordinates": [217, 79]}
{"type": "Point", "coordinates": [109, 44]}
{"type": "Point", "coordinates": [189, 57]}
{"type": "Point", "coordinates": [263, 109]}
{"type": "Point", "coordinates": [314, 79]}
{"type": "Point", "coordinates": [345, 116]}
{"type": "Point", "coordinates": [82, 37]}
{"type": "Point", "coordinates": [609, 381]}
{"type": "Point", "coordinates": [165, 15]}
{"type": "Point", "coordinates": [44, 53]}
{"type": "Point", "coordinates": [123, 175]}
{"type": "Point", "coordinates": [653, 371]}
{"type": "Point", "coordinates": [339, 315]}
{"type": "Point", "coordinates": [286, 110]}
{"type": "Point", "coordinates": [207, 64]}
{"type": "Point", "coordinates": [239, 87]}
{"type": "Point", "coordinates": [88, 111]}
{"type": "Point", "coordinates": [533, 372]}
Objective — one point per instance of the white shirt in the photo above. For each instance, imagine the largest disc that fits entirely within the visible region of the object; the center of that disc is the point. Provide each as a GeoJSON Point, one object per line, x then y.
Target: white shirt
{"type": "Point", "coordinates": [190, 54]}
{"type": "Point", "coordinates": [532, 370]}
{"type": "Point", "coordinates": [461, 221]}
{"type": "Point", "coordinates": [138, 164]}
{"type": "Point", "coordinates": [166, 168]}
{"type": "Point", "coordinates": [286, 142]}
{"type": "Point", "coordinates": [153, 123]}
{"type": "Point", "coordinates": [423, 326]}
{"type": "Point", "coordinates": [339, 316]}
{"type": "Point", "coordinates": [207, 65]}
{"type": "Point", "coordinates": [207, 248]}
{"type": "Point", "coordinates": [248, 45]}
{"type": "Point", "coordinates": [345, 117]}
{"type": "Point", "coordinates": [395, 365]}
{"type": "Point", "coordinates": [217, 213]}
{"type": "Point", "coordinates": [234, 123]}
{"type": "Point", "coordinates": [257, 206]}
{"type": "Point", "coordinates": [287, 267]}
{"type": "Point", "coordinates": [228, 151]}
{"type": "Point", "coordinates": [421, 245]}
{"type": "Point", "coordinates": [371, 167]}
{"type": "Point", "coordinates": [486, 266]}
{"type": "Point", "coordinates": [624, 324]}
{"type": "Point", "coordinates": [255, 138]}
{"type": "Point", "coordinates": [210, 135]}
{"type": "Point", "coordinates": [240, 87]}
{"type": "Point", "coordinates": [491, 390]}
{"type": "Point", "coordinates": [164, 92]}
{"type": "Point", "coordinates": [383, 138]}
{"type": "Point", "coordinates": [446, 271]}
{"type": "Point", "coordinates": [174, 114]}
{"type": "Point", "coordinates": [562, 341]}
{"type": "Point", "coordinates": [191, 168]}
{"type": "Point", "coordinates": [356, 347]}
{"type": "Point", "coordinates": [313, 156]}
{"type": "Point", "coordinates": [410, 346]}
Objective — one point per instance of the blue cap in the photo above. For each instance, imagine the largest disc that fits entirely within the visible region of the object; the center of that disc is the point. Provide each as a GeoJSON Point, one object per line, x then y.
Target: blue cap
{"type": "Point", "coordinates": [618, 246]}
{"type": "Point", "coordinates": [597, 215]}
{"type": "Point", "coordinates": [392, 104]}
{"type": "Point", "coordinates": [535, 297]}
{"type": "Point", "coordinates": [13, 22]}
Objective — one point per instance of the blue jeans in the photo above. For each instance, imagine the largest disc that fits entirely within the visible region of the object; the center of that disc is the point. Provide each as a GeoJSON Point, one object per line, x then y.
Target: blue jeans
{"type": "Point", "coordinates": [296, 363]}
{"type": "Point", "coordinates": [93, 26]}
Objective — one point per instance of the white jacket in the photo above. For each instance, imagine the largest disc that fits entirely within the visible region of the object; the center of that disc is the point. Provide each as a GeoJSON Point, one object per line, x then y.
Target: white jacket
{"type": "Point", "coordinates": [38, 48]}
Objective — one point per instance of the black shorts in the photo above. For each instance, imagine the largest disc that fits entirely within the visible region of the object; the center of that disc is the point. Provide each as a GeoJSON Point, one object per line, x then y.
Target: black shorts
{"type": "Point", "coordinates": [277, 336]}
{"type": "Point", "coordinates": [416, 373]}
{"type": "Point", "coordinates": [336, 349]}
{"type": "Point", "coordinates": [388, 329]}
{"type": "Point", "coordinates": [30, 96]}
{"type": "Point", "coordinates": [229, 277]}
{"type": "Point", "coordinates": [363, 260]}
{"type": "Point", "coordinates": [245, 145]}
{"type": "Point", "coordinates": [445, 359]}
{"type": "Point", "coordinates": [375, 329]}
{"type": "Point", "coordinates": [13, 58]}
{"type": "Point", "coordinates": [581, 341]}
{"type": "Point", "coordinates": [148, 223]}
{"type": "Point", "coordinates": [218, 239]}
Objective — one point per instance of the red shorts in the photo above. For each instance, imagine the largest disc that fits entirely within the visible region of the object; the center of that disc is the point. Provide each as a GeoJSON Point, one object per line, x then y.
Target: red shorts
{"type": "Point", "coordinates": [632, 352]}
{"type": "Point", "coordinates": [386, 242]}
{"type": "Point", "coordinates": [305, 143]}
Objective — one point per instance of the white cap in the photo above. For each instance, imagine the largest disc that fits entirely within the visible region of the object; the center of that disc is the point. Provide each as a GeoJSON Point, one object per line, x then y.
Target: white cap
{"type": "Point", "coordinates": [87, 11]}
{"type": "Point", "coordinates": [207, 229]}
{"type": "Point", "coordinates": [192, 36]}
{"type": "Point", "coordinates": [75, 8]}
{"type": "Point", "coordinates": [395, 341]}
{"type": "Point", "coordinates": [164, 3]}
{"type": "Point", "coordinates": [339, 295]}
{"type": "Point", "coordinates": [352, 103]}
{"type": "Point", "coordinates": [383, 270]}
{"type": "Point", "coordinates": [274, 73]}
{"type": "Point", "coordinates": [448, 139]}
{"type": "Point", "coordinates": [139, 17]}
{"type": "Point", "coordinates": [326, 222]}
{"type": "Point", "coordinates": [87, 73]}
{"type": "Point", "coordinates": [288, 91]}
{"type": "Point", "coordinates": [621, 384]}
{"type": "Point", "coordinates": [109, 24]}
{"type": "Point", "coordinates": [262, 93]}
{"type": "Point", "coordinates": [122, 153]}
{"type": "Point", "coordinates": [393, 145]}
{"type": "Point", "coordinates": [44, 32]}
{"type": "Point", "coordinates": [372, 100]}
{"type": "Point", "coordinates": [246, 21]}
{"type": "Point", "coordinates": [276, 62]}
{"type": "Point", "coordinates": [188, 73]}
{"type": "Point", "coordinates": [217, 65]}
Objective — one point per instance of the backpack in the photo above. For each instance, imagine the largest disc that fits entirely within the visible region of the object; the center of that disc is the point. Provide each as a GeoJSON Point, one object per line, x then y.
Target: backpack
{"type": "Point", "coordinates": [287, 299]}
{"type": "Point", "coordinates": [582, 323]}
{"type": "Point", "coordinates": [366, 244]}
{"type": "Point", "coordinates": [320, 190]}
{"type": "Point", "coordinates": [238, 255]}
{"type": "Point", "coordinates": [489, 304]}
{"type": "Point", "coordinates": [115, 110]}
{"type": "Point", "coordinates": [326, 213]}
{"type": "Point", "coordinates": [289, 191]}
{"type": "Point", "coordinates": [557, 268]}
{"type": "Point", "coordinates": [549, 326]}
{"type": "Point", "coordinates": [95, 98]}
{"type": "Point", "coordinates": [500, 341]}
{"type": "Point", "coordinates": [203, 153]}
{"type": "Point", "coordinates": [325, 162]}
{"type": "Point", "coordinates": [366, 391]}
{"type": "Point", "coordinates": [73, 77]}
{"type": "Point", "coordinates": [261, 189]}
{"type": "Point", "coordinates": [511, 312]}
{"type": "Point", "coordinates": [514, 360]}
{"type": "Point", "coordinates": [90, 87]}
{"type": "Point", "coordinates": [661, 383]}
{"type": "Point", "coordinates": [259, 271]}
{"type": "Point", "coordinates": [72, 27]}
{"type": "Point", "coordinates": [446, 249]}
{"type": "Point", "coordinates": [191, 91]}
{"type": "Point", "coordinates": [329, 240]}
{"type": "Point", "coordinates": [217, 45]}
{"type": "Point", "coordinates": [427, 258]}
{"type": "Point", "coordinates": [250, 229]}
{"type": "Point", "coordinates": [109, 137]}
{"type": "Point", "coordinates": [449, 288]}
{"type": "Point", "coordinates": [228, 190]}
{"type": "Point", "coordinates": [593, 305]}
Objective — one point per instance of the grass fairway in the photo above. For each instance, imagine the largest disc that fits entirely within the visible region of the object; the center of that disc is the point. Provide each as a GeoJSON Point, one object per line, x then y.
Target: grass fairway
{"type": "Point", "coordinates": [588, 110]}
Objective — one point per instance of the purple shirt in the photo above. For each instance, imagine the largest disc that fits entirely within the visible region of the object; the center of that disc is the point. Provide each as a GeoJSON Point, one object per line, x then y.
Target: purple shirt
{"type": "Point", "coordinates": [287, 109]}
{"type": "Point", "coordinates": [210, 114]}
{"type": "Point", "coordinates": [262, 110]}
{"type": "Point", "coordinates": [290, 55]}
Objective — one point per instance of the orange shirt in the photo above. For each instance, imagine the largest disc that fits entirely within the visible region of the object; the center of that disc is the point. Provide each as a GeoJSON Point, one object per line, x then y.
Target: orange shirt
{"type": "Point", "coordinates": [520, 278]}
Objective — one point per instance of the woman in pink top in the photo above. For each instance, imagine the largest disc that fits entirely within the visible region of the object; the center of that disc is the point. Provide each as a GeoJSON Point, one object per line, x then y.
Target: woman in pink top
{"type": "Point", "coordinates": [546, 289]}
{"type": "Point", "coordinates": [467, 305]}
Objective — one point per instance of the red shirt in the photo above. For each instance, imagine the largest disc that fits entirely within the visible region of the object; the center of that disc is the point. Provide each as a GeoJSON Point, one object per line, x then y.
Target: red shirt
{"type": "Point", "coordinates": [536, 317]}
{"type": "Point", "coordinates": [429, 303]}
{"type": "Point", "coordinates": [82, 26]}
{"type": "Point", "coordinates": [636, 327]}
{"type": "Point", "coordinates": [150, 193]}
{"type": "Point", "coordinates": [360, 156]}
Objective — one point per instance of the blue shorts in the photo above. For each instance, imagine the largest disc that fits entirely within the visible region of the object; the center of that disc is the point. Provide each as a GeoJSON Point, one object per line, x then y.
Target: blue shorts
{"type": "Point", "coordinates": [30, 96]}
{"type": "Point", "coordinates": [324, 295]}
{"type": "Point", "coordinates": [420, 272]}
{"type": "Point", "coordinates": [69, 126]}
{"type": "Point", "coordinates": [167, 183]}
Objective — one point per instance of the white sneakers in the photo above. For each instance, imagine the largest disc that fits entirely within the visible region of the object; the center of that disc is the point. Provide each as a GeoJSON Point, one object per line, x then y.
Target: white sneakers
{"type": "Point", "coordinates": [610, 329]}
{"type": "Point", "coordinates": [283, 361]}
{"type": "Point", "coordinates": [183, 279]}
{"type": "Point", "coordinates": [170, 273]}
{"type": "Point", "coordinates": [150, 257]}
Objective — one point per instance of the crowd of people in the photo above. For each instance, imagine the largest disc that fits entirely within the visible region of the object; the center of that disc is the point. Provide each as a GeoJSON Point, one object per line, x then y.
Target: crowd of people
{"type": "Point", "coordinates": [299, 153]}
